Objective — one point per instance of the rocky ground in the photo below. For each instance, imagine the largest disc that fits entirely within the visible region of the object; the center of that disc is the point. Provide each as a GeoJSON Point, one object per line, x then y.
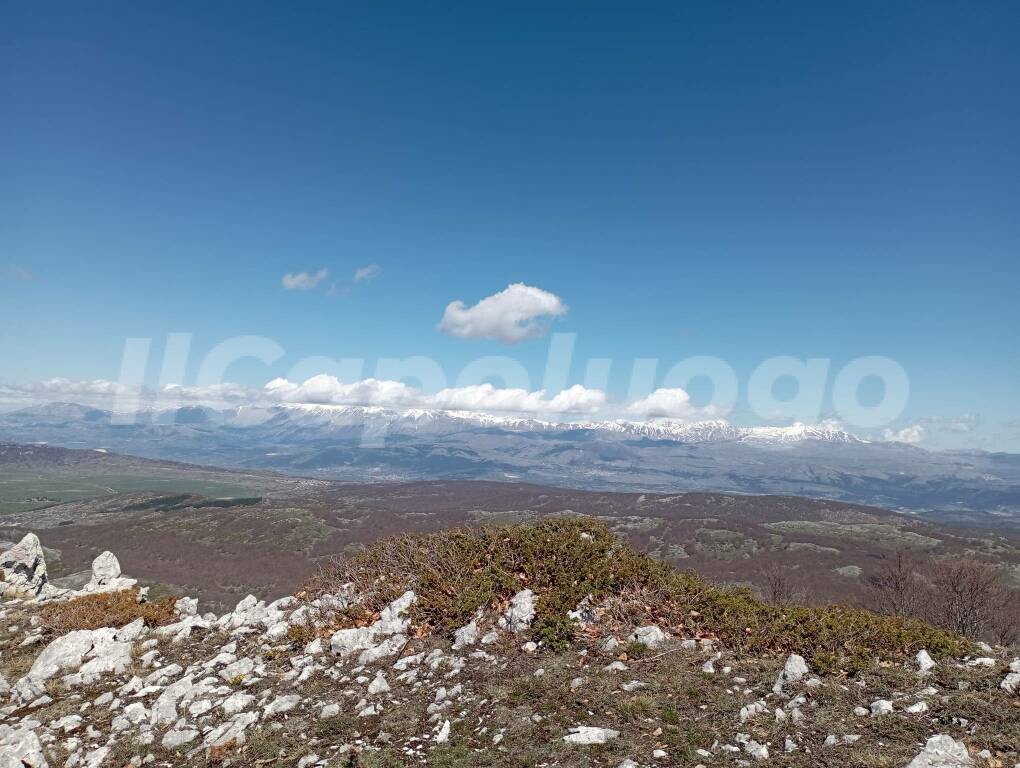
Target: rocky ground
{"type": "Point", "coordinates": [298, 682]}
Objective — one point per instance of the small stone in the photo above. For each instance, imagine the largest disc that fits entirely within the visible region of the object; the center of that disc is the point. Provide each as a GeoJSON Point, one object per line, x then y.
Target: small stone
{"type": "Point", "coordinates": [881, 707]}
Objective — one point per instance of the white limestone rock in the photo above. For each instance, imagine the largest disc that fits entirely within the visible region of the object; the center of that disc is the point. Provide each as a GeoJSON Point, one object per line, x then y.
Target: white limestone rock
{"type": "Point", "coordinates": [468, 634]}
{"type": "Point", "coordinates": [24, 569]}
{"type": "Point", "coordinates": [392, 620]}
{"type": "Point", "coordinates": [444, 733]}
{"type": "Point", "coordinates": [586, 734]}
{"type": "Point", "coordinates": [106, 575]}
{"type": "Point", "coordinates": [520, 613]}
{"type": "Point", "coordinates": [86, 654]}
{"type": "Point", "coordinates": [881, 707]}
{"type": "Point", "coordinates": [390, 625]}
{"type": "Point", "coordinates": [164, 710]}
{"type": "Point", "coordinates": [650, 636]}
{"type": "Point", "coordinates": [236, 702]}
{"type": "Point", "coordinates": [281, 704]}
{"type": "Point", "coordinates": [231, 731]}
{"type": "Point", "coordinates": [378, 685]}
{"type": "Point", "coordinates": [1011, 683]}
{"type": "Point", "coordinates": [925, 663]}
{"type": "Point", "coordinates": [795, 670]}
{"type": "Point", "coordinates": [20, 748]}
{"type": "Point", "coordinates": [178, 736]}
{"type": "Point", "coordinates": [942, 752]}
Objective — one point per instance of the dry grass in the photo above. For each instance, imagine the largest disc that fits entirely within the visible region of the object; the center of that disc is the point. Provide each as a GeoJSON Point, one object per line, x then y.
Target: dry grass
{"type": "Point", "coordinates": [109, 609]}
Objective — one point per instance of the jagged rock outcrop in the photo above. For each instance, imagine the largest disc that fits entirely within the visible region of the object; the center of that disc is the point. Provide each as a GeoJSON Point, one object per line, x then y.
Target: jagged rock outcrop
{"type": "Point", "coordinates": [379, 640]}
{"type": "Point", "coordinates": [24, 568]}
{"type": "Point", "coordinates": [82, 657]}
{"type": "Point", "coordinates": [20, 748]}
{"type": "Point", "coordinates": [106, 575]}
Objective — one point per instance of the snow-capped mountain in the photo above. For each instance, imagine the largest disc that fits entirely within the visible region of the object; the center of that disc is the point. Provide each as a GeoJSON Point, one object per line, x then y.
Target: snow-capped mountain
{"type": "Point", "coordinates": [360, 443]}
{"type": "Point", "coordinates": [425, 421]}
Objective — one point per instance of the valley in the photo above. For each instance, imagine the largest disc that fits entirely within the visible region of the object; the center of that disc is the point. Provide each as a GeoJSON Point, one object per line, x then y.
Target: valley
{"type": "Point", "coordinates": [220, 533]}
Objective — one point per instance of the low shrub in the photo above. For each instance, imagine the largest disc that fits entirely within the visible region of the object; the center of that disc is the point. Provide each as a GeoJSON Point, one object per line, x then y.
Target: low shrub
{"type": "Point", "coordinates": [564, 560]}
{"type": "Point", "coordinates": [456, 572]}
{"type": "Point", "coordinates": [106, 609]}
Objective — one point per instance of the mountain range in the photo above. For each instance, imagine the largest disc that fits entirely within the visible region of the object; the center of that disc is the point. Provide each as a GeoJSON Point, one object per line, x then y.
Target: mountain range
{"type": "Point", "coordinates": [357, 443]}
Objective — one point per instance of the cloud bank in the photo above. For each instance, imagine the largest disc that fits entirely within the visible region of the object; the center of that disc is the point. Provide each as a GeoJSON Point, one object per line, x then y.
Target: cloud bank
{"type": "Point", "coordinates": [328, 390]}
{"type": "Point", "coordinates": [517, 313]}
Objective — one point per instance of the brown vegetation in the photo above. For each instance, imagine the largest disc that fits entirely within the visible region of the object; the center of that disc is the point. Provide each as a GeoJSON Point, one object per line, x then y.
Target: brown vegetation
{"type": "Point", "coordinates": [963, 595]}
{"type": "Point", "coordinates": [106, 609]}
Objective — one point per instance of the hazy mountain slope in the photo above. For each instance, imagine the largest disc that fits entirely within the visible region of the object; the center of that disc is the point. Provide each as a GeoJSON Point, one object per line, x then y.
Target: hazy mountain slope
{"type": "Point", "coordinates": [375, 444]}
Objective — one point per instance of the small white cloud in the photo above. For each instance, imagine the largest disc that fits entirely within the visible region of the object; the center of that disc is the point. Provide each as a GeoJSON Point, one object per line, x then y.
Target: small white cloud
{"type": "Point", "coordinates": [366, 273]}
{"type": "Point", "coordinates": [14, 272]}
{"type": "Point", "coordinates": [913, 433]}
{"type": "Point", "coordinates": [965, 422]}
{"type": "Point", "coordinates": [663, 403]}
{"type": "Point", "coordinates": [517, 313]}
{"type": "Point", "coordinates": [304, 281]}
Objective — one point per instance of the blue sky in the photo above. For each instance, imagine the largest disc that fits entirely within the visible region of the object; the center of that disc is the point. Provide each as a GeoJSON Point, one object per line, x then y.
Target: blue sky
{"type": "Point", "coordinates": [740, 180]}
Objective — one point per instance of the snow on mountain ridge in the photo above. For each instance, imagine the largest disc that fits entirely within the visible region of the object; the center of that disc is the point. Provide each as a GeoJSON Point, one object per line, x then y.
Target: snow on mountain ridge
{"type": "Point", "coordinates": [417, 419]}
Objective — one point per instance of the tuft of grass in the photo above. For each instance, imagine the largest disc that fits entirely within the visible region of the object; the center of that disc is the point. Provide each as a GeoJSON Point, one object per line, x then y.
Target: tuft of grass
{"type": "Point", "coordinates": [106, 609]}
{"type": "Point", "coordinates": [300, 634]}
{"type": "Point", "coordinates": [564, 560]}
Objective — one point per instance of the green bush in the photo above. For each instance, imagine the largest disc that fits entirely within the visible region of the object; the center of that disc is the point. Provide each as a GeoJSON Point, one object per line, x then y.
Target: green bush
{"type": "Point", "coordinates": [564, 560]}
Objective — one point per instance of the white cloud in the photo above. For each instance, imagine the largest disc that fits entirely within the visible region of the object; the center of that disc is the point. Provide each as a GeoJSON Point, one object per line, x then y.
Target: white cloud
{"type": "Point", "coordinates": [663, 403]}
{"type": "Point", "coordinates": [14, 272]}
{"type": "Point", "coordinates": [61, 386]}
{"type": "Point", "coordinates": [913, 433]}
{"type": "Point", "coordinates": [965, 422]}
{"type": "Point", "coordinates": [329, 390]}
{"type": "Point", "coordinates": [226, 392]}
{"type": "Point", "coordinates": [366, 273]}
{"type": "Point", "coordinates": [578, 399]}
{"type": "Point", "coordinates": [486, 397]}
{"type": "Point", "coordinates": [303, 281]}
{"type": "Point", "coordinates": [514, 314]}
